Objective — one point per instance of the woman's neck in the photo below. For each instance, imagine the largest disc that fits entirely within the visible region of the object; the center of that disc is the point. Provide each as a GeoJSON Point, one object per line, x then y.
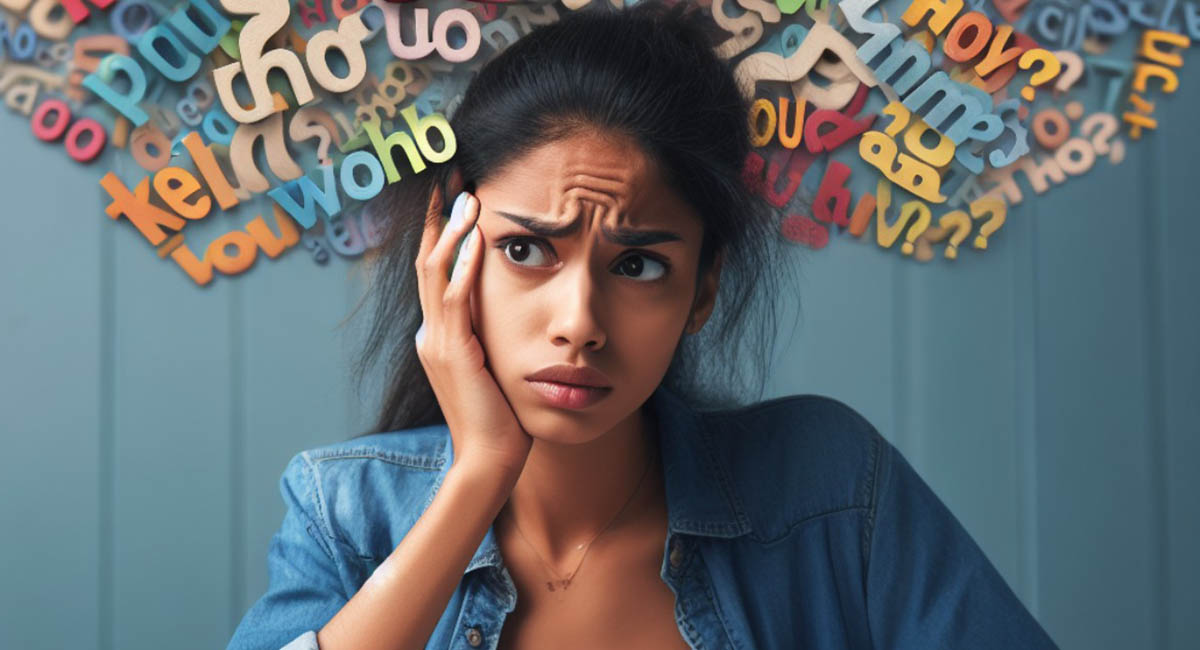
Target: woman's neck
{"type": "Point", "coordinates": [566, 494]}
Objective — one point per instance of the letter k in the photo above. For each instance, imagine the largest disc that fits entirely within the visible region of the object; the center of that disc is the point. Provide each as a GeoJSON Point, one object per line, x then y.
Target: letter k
{"type": "Point", "coordinates": [136, 207]}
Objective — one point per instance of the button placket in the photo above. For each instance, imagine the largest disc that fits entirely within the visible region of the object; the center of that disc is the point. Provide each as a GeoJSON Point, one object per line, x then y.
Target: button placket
{"type": "Point", "coordinates": [485, 603]}
{"type": "Point", "coordinates": [697, 618]}
{"type": "Point", "coordinates": [677, 555]}
{"type": "Point", "coordinates": [676, 559]}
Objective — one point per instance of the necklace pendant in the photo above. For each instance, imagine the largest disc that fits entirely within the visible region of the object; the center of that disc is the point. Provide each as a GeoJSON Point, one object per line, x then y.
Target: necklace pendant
{"type": "Point", "coordinates": [550, 584]}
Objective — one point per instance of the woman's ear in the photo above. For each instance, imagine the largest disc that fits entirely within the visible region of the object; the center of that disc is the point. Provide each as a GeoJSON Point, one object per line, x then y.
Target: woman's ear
{"type": "Point", "coordinates": [706, 295]}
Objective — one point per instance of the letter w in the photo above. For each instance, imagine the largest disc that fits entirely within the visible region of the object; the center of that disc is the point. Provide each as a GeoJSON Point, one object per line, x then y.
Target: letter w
{"type": "Point", "coordinates": [305, 212]}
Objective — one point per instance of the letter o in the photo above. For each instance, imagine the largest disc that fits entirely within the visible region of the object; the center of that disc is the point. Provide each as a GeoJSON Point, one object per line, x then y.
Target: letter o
{"type": "Point", "coordinates": [350, 183]}
{"type": "Point", "coordinates": [51, 132]}
{"type": "Point", "coordinates": [441, 31]}
{"type": "Point", "coordinates": [24, 43]}
{"type": "Point", "coordinates": [955, 48]}
{"type": "Point", "coordinates": [1051, 117]}
{"type": "Point", "coordinates": [131, 19]}
{"type": "Point", "coordinates": [340, 10]}
{"type": "Point", "coordinates": [93, 147]}
{"type": "Point", "coordinates": [142, 139]}
{"type": "Point", "coordinates": [760, 137]}
{"type": "Point", "coordinates": [218, 126]}
{"type": "Point", "coordinates": [1075, 156]}
{"type": "Point", "coordinates": [247, 250]}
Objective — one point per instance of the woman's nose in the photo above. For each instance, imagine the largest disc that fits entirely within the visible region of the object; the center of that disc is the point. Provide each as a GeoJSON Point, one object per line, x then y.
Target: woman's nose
{"type": "Point", "coordinates": [575, 309]}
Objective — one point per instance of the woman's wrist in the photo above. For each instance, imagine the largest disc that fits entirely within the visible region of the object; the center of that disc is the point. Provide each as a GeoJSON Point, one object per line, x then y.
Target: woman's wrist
{"type": "Point", "coordinates": [485, 473]}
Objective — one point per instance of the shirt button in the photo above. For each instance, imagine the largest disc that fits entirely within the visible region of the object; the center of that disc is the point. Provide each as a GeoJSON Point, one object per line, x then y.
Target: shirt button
{"type": "Point", "coordinates": [474, 637]}
{"type": "Point", "coordinates": [676, 555]}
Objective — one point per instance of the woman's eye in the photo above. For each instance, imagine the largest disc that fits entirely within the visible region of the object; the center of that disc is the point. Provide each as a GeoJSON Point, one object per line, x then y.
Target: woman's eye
{"type": "Point", "coordinates": [635, 266]}
{"type": "Point", "coordinates": [520, 250]}
{"type": "Point", "coordinates": [525, 251]}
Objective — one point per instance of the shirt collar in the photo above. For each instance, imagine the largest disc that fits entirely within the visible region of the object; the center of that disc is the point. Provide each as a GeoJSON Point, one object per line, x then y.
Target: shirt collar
{"type": "Point", "coordinates": [700, 498]}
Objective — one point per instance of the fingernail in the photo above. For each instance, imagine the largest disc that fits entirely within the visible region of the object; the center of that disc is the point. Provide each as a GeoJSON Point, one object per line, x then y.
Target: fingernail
{"type": "Point", "coordinates": [459, 210]}
{"type": "Point", "coordinates": [420, 333]}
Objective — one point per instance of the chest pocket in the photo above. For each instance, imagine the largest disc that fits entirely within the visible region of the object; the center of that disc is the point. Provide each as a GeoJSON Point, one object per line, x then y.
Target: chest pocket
{"type": "Point", "coordinates": [363, 567]}
{"type": "Point", "coordinates": [358, 566]}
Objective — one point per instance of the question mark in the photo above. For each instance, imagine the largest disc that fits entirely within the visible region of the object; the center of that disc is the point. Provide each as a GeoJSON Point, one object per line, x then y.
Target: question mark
{"type": "Point", "coordinates": [312, 122]}
{"type": "Point", "coordinates": [1049, 70]}
{"type": "Point", "coordinates": [1105, 126]}
{"type": "Point", "coordinates": [1074, 65]}
{"type": "Point", "coordinates": [932, 235]}
{"type": "Point", "coordinates": [924, 216]}
{"type": "Point", "coordinates": [988, 205]}
{"type": "Point", "coordinates": [961, 223]}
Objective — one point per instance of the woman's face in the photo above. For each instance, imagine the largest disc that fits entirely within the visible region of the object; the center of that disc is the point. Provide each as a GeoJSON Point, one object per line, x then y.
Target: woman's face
{"type": "Point", "coordinates": [553, 287]}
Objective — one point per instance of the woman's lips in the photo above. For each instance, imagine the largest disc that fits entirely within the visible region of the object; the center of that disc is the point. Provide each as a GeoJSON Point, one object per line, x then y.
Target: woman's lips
{"type": "Point", "coordinates": [567, 395]}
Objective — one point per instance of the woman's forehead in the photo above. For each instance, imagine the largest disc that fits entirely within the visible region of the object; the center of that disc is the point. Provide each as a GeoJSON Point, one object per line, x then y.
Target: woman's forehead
{"type": "Point", "coordinates": [606, 179]}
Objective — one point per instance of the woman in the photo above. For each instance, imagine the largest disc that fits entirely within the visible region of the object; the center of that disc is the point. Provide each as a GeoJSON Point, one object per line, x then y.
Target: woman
{"type": "Point", "coordinates": [563, 468]}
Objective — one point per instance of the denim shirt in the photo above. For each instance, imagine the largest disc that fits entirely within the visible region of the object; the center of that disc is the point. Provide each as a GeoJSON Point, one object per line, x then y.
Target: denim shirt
{"type": "Point", "coordinates": [792, 523]}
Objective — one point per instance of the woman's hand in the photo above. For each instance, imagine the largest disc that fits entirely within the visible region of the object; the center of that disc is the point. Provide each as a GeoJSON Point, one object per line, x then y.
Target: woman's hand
{"type": "Point", "coordinates": [483, 428]}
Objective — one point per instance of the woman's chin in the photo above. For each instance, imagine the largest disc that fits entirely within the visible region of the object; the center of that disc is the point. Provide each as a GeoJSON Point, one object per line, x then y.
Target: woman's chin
{"type": "Point", "coordinates": [559, 426]}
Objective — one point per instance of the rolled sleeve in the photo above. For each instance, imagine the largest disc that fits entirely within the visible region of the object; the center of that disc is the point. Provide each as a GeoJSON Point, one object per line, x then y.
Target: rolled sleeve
{"type": "Point", "coordinates": [304, 585]}
{"type": "Point", "coordinates": [306, 641]}
{"type": "Point", "coordinates": [929, 585]}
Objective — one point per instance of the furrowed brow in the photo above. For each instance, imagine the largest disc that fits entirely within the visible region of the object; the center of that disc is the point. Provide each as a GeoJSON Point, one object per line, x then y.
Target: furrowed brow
{"type": "Point", "coordinates": [621, 236]}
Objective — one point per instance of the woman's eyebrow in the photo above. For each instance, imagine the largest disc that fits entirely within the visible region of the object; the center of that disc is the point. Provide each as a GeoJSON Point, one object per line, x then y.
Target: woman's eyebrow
{"type": "Point", "coordinates": [622, 236]}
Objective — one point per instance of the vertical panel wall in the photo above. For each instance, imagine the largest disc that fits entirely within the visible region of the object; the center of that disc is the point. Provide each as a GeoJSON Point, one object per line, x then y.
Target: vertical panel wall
{"type": "Point", "coordinates": [1046, 389]}
{"type": "Point", "coordinates": [1173, 316]}
{"type": "Point", "coordinates": [55, 464]}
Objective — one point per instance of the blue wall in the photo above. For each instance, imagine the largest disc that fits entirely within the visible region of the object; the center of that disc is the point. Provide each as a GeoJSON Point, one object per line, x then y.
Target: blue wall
{"type": "Point", "coordinates": [1046, 389]}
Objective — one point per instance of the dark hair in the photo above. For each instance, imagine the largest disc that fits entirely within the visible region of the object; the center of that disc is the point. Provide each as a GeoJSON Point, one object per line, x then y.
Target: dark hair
{"type": "Point", "coordinates": [649, 71]}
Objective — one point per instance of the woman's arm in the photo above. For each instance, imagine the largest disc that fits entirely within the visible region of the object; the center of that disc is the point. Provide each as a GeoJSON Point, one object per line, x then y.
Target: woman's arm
{"type": "Point", "coordinates": [304, 579]}
{"type": "Point", "coordinates": [929, 585]}
{"type": "Point", "coordinates": [400, 604]}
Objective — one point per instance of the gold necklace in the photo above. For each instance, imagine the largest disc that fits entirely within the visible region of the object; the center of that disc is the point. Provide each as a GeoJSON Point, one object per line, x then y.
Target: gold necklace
{"type": "Point", "coordinates": [564, 583]}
